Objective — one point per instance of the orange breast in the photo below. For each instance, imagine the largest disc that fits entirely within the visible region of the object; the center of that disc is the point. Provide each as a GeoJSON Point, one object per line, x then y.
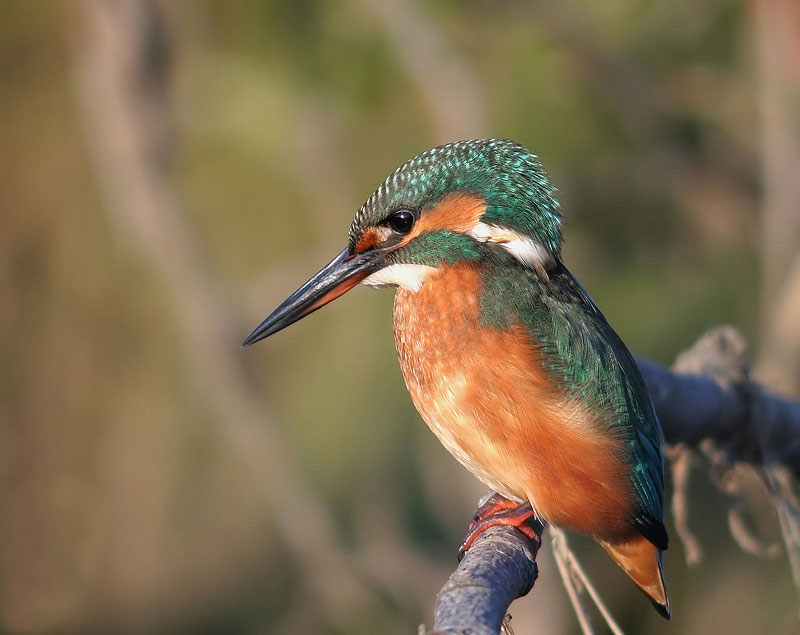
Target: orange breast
{"type": "Point", "coordinates": [484, 394]}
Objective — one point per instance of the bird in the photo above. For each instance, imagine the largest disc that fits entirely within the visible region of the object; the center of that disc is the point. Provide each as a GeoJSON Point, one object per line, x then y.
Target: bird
{"type": "Point", "coordinates": [506, 357]}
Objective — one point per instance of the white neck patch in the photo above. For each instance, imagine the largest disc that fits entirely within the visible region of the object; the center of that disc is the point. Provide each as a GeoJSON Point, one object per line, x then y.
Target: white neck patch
{"type": "Point", "coordinates": [408, 276]}
{"type": "Point", "coordinates": [528, 251]}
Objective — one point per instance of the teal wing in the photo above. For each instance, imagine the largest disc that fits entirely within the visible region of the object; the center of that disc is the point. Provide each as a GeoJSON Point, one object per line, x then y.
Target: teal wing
{"type": "Point", "coordinates": [590, 362]}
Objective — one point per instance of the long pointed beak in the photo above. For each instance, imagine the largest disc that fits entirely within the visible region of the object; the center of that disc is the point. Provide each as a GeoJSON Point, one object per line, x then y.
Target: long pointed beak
{"type": "Point", "coordinates": [337, 277]}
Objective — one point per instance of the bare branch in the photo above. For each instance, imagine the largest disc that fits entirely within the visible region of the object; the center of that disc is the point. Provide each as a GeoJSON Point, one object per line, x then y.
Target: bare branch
{"type": "Point", "coordinates": [680, 458]}
{"type": "Point", "coordinates": [575, 595]}
{"type": "Point", "coordinates": [499, 567]}
{"type": "Point", "coordinates": [573, 575]}
{"type": "Point", "coordinates": [782, 486]}
{"type": "Point", "coordinates": [712, 397]}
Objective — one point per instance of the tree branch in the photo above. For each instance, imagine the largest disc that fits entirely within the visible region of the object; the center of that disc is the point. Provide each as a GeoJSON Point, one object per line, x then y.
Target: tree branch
{"type": "Point", "coordinates": [499, 567]}
{"type": "Point", "coordinates": [708, 397]}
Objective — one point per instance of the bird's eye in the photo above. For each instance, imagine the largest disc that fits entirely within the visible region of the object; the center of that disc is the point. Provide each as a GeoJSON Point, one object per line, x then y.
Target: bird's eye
{"type": "Point", "coordinates": [401, 221]}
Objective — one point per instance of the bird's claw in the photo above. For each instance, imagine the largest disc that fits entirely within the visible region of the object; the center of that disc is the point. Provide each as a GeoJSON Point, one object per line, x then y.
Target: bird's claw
{"type": "Point", "coordinates": [498, 510]}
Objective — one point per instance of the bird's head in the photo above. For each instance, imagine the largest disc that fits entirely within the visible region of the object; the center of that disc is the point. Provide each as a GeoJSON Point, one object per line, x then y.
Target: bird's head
{"type": "Point", "coordinates": [460, 202]}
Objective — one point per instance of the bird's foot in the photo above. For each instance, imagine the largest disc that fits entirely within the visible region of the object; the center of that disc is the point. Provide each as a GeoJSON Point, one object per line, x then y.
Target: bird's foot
{"type": "Point", "coordinates": [498, 510]}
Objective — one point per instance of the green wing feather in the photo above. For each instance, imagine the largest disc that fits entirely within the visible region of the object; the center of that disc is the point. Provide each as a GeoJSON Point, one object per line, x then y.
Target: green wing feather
{"type": "Point", "coordinates": [588, 361]}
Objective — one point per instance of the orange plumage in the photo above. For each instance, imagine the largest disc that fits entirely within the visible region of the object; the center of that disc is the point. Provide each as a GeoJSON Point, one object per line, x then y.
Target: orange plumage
{"type": "Point", "coordinates": [508, 423]}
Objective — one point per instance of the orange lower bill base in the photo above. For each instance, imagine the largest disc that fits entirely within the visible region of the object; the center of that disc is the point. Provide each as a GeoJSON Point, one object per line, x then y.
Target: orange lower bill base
{"type": "Point", "coordinates": [335, 293]}
{"type": "Point", "coordinates": [336, 278]}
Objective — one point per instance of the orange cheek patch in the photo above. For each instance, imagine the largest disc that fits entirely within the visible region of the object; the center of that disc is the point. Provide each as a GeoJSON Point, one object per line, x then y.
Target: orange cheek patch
{"type": "Point", "coordinates": [457, 213]}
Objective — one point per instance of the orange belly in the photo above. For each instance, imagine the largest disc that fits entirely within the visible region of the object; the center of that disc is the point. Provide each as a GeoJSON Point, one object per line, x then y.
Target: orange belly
{"type": "Point", "coordinates": [484, 394]}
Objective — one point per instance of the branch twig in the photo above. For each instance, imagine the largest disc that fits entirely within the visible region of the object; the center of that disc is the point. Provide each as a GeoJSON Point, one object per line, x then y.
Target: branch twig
{"type": "Point", "coordinates": [574, 569]}
{"type": "Point", "coordinates": [680, 458]}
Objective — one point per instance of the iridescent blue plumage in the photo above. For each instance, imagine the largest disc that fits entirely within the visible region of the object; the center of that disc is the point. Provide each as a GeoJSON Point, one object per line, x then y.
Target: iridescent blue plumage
{"type": "Point", "coordinates": [588, 361]}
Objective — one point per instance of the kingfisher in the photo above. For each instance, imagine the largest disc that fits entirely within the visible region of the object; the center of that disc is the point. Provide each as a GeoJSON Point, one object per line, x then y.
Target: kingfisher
{"type": "Point", "coordinates": [505, 355]}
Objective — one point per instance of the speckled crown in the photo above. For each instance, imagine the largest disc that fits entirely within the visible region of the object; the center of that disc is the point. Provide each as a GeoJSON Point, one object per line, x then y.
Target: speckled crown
{"type": "Point", "coordinates": [511, 179]}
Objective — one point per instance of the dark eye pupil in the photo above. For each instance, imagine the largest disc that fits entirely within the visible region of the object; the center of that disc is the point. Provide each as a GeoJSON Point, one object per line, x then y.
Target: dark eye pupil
{"type": "Point", "coordinates": [401, 221]}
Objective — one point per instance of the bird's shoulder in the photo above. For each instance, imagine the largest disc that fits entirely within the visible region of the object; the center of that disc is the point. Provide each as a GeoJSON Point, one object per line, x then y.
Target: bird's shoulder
{"type": "Point", "coordinates": [589, 362]}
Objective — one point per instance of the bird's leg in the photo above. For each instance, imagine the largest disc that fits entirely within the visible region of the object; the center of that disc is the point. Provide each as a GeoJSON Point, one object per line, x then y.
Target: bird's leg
{"type": "Point", "coordinates": [498, 510]}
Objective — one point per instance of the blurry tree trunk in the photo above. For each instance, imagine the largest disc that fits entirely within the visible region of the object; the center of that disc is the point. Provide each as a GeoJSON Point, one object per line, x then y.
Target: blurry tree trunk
{"type": "Point", "coordinates": [434, 65]}
{"type": "Point", "coordinates": [777, 39]}
{"type": "Point", "coordinates": [122, 77]}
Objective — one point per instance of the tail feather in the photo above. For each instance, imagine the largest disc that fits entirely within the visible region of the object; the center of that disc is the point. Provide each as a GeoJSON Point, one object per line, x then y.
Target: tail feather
{"type": "Point", "coordinates": [642, 561]}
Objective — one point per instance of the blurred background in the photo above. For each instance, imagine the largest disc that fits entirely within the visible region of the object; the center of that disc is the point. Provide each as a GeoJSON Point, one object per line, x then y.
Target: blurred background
{"type": "Point", "coordinates": [170, 171]}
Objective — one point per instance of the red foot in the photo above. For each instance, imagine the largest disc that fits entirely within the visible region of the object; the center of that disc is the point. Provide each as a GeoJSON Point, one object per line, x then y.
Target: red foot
{"type": "Point", "coordinates": [498, 510]}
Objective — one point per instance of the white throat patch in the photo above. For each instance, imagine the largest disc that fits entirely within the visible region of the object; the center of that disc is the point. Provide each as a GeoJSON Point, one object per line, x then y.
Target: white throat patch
{"type": "Point", "coordinates": [528, 251]}
{"type": "Point", "coordinates": [409, 277]}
